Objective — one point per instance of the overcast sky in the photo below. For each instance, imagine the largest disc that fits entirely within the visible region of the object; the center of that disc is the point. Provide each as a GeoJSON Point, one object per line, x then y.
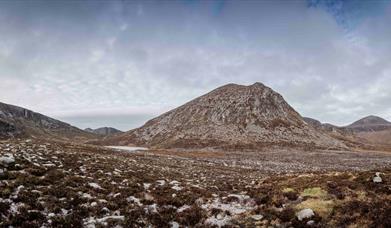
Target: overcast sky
{"type": "Point", "coordinates": [119, 63]}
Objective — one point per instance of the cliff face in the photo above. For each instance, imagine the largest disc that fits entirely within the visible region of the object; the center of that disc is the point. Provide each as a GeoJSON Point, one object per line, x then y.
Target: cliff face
{"type": "Point", "coordinates": [232, 116]}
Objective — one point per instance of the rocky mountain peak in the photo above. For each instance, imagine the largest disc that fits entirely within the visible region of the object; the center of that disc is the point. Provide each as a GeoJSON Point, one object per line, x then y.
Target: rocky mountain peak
{"type": "Point", "coordinates": [229, 116]}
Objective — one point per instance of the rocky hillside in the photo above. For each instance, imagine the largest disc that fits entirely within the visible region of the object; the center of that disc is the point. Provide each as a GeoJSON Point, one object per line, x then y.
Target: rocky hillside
{"type": "Point", "coordinates": [231, 116]}
{"type": "Point", "coordinates": [104, 131]}
{"type": "Point", "coordinates": [16, 121]}
{"type": "Point", "coordinates": [370, 123]}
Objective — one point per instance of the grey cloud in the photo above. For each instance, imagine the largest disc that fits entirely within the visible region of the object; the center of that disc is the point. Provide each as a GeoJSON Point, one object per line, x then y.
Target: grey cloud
{"type": "Point", "coordinates": [107, 57]}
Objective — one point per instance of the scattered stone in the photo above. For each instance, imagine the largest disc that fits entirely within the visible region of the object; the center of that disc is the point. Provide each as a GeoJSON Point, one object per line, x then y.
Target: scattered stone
{"type": "Point", "coordinates": [257, 217]}
{"type": "Point", "coordinates": [116, 195]}
{"type": "Point", "coordinates": [377, 178]}
{"type": "Point", "coordinates": [183, 208]}
{"type": "Point", "coordinates": [176, 188]}
{"type": "Point", "coordinates": [219, 220]}
{"type": "Point", "coordinates": [305, 213]}
{"type": "Point", "coordinates": [7, 161]}
{"type": "Point", "coordinates": [146, 186]}
{"type": "Point", "coordinates": [161, 182]}
{"type": "Point", "coordinates": [174, 224]}
{"type": "Point", "coordinates": [86, 196]}
{"type": "Point", "coordinates": [95, 185]}
{"type": "Point", "coordinates": [134, 200]}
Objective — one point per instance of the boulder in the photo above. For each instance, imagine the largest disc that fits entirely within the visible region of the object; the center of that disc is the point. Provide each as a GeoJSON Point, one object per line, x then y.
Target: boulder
{"type": "Point", "coordinates": [7, 161]}
{"type": "Point", "coordinates": [377, 178]}
{"type": "Point", "coordinates": [305, 213]}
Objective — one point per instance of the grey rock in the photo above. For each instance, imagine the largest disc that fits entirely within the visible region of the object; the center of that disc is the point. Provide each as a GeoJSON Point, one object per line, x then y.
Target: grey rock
{"type": "Point", "coordinates": [257, 217]}
{"type": "Point", "coordinates": [377, 178]}
{"type": "Point", "coordinates": [305, 213]}
{"type": "Point", "coordinates": [7, 161]}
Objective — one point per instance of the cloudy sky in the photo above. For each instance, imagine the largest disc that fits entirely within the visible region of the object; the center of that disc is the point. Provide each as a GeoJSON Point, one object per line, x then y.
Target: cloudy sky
{"type": "Point", "coordinates": [119, 63]}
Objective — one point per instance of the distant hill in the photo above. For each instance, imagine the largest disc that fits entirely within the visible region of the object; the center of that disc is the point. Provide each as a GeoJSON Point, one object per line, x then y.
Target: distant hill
{"type": "Point", "coordinates": [368, 132]}
{"type": "Point", "coordinates": [373, 129]}
{"type": "Point", "coordinates": [231, 116]}
{"type": "Point", "coordinates": [370, 123]}
{"type": "Point", "coordinates": [20, 122]}
{"type": "Point", "coordinates": [104, 131]}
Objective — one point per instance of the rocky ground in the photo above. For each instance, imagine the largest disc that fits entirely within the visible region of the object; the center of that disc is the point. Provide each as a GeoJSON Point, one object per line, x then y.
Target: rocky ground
{"type": "Point", "coordinates": [54, 184]}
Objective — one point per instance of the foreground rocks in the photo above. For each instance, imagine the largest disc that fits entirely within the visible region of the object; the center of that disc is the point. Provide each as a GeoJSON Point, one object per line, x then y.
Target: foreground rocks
{"type": "Point", "coordinates": [52, 184]}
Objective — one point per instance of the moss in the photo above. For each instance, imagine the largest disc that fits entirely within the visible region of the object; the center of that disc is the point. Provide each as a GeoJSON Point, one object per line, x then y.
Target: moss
{"type": "Point", "coordinates": [316, 192]}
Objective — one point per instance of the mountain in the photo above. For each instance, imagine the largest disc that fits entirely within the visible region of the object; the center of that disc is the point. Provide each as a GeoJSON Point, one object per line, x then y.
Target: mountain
{"type": "Point", "coordinates": [370, 123]}
{"type": "Point", "coordinates": [369, 132]}
{"type": "Point", "coordinates": [105, 131]}
{"type": "Point", "coordinates": [231, 116]}
{"type": "Point", "coordinates": [20, 122]}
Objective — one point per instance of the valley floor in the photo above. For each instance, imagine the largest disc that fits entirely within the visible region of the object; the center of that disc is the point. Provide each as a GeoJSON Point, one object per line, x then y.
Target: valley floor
{"type": "Point", "coordinates": [53, 184]}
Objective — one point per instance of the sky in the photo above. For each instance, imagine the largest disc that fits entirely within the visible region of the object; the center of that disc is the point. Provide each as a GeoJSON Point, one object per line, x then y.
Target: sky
{"type": "Point", "coordinates": [120, 63]}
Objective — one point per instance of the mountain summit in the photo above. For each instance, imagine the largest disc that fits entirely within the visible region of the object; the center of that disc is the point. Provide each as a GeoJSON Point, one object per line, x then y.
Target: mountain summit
{"type": "Point", "coordinates": [231, 116]}
{"type": "Point", "coordinates": [370, 123]}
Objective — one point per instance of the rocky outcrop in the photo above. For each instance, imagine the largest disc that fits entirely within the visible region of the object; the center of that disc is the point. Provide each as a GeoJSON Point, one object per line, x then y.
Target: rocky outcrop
{"type": "Point", "coordinates": [232, 116]}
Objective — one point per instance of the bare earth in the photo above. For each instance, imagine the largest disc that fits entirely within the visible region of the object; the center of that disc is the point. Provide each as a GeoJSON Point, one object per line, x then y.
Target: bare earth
{"type": "Point", "coordinates": [55, 184]}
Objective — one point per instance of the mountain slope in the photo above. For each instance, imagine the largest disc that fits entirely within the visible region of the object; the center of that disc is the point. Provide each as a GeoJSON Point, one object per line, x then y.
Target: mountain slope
{"type": "Point", "coordinates": [16, 121]}
{"type": "Point", "coordinates": [105, 131]}
{"type": "Point", "coordinates": [232, 116]}
{"type": "Point", "coordinates": [370, 123]}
